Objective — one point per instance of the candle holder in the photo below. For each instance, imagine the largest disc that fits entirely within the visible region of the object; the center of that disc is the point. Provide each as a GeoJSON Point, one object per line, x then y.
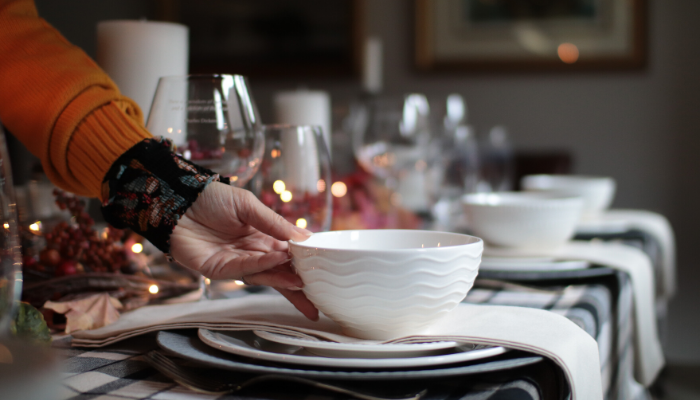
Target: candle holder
{"type": "Point", "coordinates": [294, 178]}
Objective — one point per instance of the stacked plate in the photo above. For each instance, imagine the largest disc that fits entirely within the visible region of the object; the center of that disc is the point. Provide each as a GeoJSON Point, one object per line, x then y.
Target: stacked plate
{"type": "Point", "coordinates": [266, 352]}
{"type": "Point", "coordinates": [291, 350]}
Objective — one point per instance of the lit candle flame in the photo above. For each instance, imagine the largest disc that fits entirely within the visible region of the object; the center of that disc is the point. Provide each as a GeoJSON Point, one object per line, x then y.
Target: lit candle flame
{"type": "Point", "coordinates": [568, 53]}
{"type": "Point", "coordinates": [137, 248]}
{"type": "Point", "coordinates": [35, 227]}
{"type": "Point", "coordinates": [279, 186]}
{"type": "Point", "coordinates": [153, 289]}
{"type": "Point", "coordinates": [339, 189]}
{"type": "Point", "coordinates": [286, 196]}
{"type": "Point", "coordinates": [301, 223]}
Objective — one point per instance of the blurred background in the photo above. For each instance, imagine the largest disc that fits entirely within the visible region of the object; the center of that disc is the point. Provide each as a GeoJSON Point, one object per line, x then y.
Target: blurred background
{"type": "Point", "coordinates": [637, 122]}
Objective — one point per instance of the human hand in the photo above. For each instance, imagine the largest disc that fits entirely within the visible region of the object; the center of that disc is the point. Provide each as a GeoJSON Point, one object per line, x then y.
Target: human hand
{"type": "Point", "coordinates": [228, 234]}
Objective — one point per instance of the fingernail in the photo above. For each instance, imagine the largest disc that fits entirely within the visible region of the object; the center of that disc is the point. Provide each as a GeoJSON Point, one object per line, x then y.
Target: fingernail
{"type": "Point", "coordinates": [295, 288]}
{"type": "Point", "coordinates": [303, 231]}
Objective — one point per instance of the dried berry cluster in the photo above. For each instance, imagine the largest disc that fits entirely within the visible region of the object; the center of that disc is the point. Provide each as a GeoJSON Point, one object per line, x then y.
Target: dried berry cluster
{"type": "Point", "coordinates": [75, 247]}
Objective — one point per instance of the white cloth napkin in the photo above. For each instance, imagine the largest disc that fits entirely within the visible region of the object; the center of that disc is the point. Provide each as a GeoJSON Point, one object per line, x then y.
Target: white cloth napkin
{"type": "Point", "coordinates": [649, 358]}
{"type": "Point", "coordinates": [528, 329]}
{"type": "Point", "coordinates": [649, 222]}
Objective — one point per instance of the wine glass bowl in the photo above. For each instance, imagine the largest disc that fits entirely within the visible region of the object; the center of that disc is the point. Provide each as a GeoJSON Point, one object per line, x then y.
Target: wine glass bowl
{"type": "Point", "coordinates": [294, 179]}
{"type": "Point", "coordinates": [211, 120]}
{"type": "Point", "coordinates": [391, 135]}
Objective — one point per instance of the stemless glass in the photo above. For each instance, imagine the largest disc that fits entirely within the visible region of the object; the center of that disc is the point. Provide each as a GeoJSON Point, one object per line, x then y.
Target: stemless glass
{"type": "Point", "coordinates": [212, 120]}
{"type": "Point", "coordinates": [10, 259]}
{"type": "Point", "coordinates": [295, 177]}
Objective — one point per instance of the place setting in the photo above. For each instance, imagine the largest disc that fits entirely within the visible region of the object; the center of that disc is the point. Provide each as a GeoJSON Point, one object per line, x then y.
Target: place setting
{"type": "Point", "coordinates": [530, 237]}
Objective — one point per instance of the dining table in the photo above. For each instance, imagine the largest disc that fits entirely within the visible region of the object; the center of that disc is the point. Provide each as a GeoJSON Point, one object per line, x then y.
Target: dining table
{"type": "Point", "coordinates": [599, 298]}
{"type": "Point", "coordinates": [596, 298]}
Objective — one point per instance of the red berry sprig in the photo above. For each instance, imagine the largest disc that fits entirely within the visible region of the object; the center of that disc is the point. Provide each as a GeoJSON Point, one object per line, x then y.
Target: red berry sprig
{"type": "Point", "coordinates": [75, 247]}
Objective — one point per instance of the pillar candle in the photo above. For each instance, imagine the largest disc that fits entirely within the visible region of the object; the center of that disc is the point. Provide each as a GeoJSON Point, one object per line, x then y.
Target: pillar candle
{"type": "Point", "coordinates": [135, 54]}
{"type": "Point", "coordinates": [372, 67]}
{"type": "Point", "coordinates": [305, 107]}
{"type": "Point", "coordinates": [301, 160]}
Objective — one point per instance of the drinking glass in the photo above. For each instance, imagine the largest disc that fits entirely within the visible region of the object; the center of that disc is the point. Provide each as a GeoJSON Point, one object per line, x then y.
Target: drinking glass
{"type": "Point", "coordinates": [10, 259]}
{"type": "Point", "coordinates": [295, 176]}
{"type": "Point", "coordinates": [392, 141]}
{"type": "Point", "coordinates": [391, 135]}
{"type": "Point", "coordinates": [212, 120]}
{"type": "Point", "coordinates": [496, 161]}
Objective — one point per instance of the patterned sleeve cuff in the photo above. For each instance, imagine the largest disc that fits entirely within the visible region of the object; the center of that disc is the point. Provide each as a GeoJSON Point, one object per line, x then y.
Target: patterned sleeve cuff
{"type": "Point", "coordinates": [149, 188]}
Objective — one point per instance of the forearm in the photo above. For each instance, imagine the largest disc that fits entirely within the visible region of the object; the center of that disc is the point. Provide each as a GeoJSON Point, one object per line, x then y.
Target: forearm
{"type": "Point", "coordinates": [59, 103]}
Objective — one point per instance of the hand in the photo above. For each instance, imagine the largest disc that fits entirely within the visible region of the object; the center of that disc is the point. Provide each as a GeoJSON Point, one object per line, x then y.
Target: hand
{"type": "Point", "coordinates": [228, 234]}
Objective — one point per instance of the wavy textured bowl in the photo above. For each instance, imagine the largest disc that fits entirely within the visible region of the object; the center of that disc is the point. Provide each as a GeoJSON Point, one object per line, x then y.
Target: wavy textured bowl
{"type": "Point", "coordinates": [383, 284]}
{"type": "Point", "coordinates": [532, 221]}
{"type": "Point", "coordinates": [597, 191]}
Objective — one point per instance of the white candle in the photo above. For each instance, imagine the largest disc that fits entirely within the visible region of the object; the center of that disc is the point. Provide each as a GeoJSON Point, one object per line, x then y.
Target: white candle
{"type": "Point", "coordinates": [135, 54]}
{"type": "Point", "coordinates": [301, 160]}
{"type": "Point", "coordinates": [372, 68]}
{"type": "Point", "coordinates": [305, 107]}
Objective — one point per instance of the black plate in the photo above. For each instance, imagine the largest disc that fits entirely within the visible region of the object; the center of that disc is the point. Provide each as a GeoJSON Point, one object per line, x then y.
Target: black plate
{"type": "Point", "coordinates": [187, 345]}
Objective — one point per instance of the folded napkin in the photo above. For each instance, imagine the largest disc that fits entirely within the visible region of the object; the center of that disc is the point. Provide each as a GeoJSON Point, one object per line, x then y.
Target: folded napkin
{"type": "Point", "coordinates": [528, 329]}
{"type": "Point", "coordinates": [656, 225]}
{"type": "Point", "coordinates": [649, 358]}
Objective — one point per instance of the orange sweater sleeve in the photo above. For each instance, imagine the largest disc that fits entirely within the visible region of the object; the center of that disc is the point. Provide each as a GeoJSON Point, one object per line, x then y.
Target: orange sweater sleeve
{"type": "Point", "coordinates": [60, 104]}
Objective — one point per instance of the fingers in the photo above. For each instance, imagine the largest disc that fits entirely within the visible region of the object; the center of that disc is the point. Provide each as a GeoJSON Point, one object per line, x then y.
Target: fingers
{"type": "Point", "coordinates": [299, 300]}
{"type": "Point", "coordinates": [276, 279]}
{"type": "Point", "coordinates": [251, 211]}
{"type": "Point", "coordinates": [243, 265]}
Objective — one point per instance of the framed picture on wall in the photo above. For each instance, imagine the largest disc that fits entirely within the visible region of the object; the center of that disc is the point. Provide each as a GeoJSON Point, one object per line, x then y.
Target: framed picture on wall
{"type": "Point", "coordinates": [530, 34]}
{"type": "Point", "coordinates": [270, 38]}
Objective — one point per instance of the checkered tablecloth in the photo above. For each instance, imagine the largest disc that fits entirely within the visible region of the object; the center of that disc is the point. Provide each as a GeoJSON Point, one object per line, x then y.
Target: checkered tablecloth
{"type": "Point", "coordinates": [600, 305]}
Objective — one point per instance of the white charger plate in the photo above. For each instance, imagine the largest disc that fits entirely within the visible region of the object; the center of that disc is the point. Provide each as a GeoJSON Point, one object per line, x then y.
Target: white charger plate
{"type": "Point", "coordinates": [246, 343]}
{"type": "Point", "coordinates": [359, 350]}
{"type": "Point", "coordinates": [530, 264]}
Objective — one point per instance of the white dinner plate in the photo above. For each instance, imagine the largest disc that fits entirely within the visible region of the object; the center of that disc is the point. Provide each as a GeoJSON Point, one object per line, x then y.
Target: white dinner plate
{"type": "Point", "coordinates": [358, 350]}
{"type": "Point", "coordinates": [246, 343]}
{"type": "Point", "coordinates": [530, 264]}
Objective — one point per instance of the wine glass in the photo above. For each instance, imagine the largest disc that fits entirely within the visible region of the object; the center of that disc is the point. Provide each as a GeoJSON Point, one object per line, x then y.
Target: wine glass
{"type": "Point", "coordinates": [497, 161]}
{"type": "Point", "coordinates": [10, 259]}
{"type": "Point", "coordinates": [457, 169]}
{"type": "Point", "coordinates": [212, 120]}
{"type": "Point", "coordinates": [295, 177]}
{"type": "Point", "coordinates": [392, 141]}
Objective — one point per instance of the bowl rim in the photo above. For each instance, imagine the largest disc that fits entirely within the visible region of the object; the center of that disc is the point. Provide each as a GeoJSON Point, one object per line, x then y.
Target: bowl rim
{"type": "Point", "coordinates": [574, 179]}
{"type": "Point", "coordinates": [476, 241]}
{"type": "Point", "coordinates": [549, 199]}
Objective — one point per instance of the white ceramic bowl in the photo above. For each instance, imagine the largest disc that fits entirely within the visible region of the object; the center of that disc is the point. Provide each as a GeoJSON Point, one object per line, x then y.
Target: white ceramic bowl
{"type": "Point", "coordinates": [597, 192]}
{"type": "Point", "coordinates": [383, 284]}
{"type": "Point", "coordinates": [530, 221]}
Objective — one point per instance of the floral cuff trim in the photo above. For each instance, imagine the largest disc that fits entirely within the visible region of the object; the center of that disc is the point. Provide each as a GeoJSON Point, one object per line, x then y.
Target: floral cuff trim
{"type": "Point", "coordinates": [149, 188]}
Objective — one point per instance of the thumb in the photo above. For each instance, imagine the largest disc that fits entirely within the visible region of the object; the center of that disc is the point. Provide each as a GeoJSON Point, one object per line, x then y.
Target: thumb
{"type": "Point", "coordinates": [252, 212]}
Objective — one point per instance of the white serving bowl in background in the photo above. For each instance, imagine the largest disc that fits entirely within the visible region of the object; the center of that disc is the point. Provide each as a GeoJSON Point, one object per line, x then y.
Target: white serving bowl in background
{"type": "Point", "coordinates": [530, 221]}
{"type": "Point", "coordinates": [383, 284]}
{"type": "Point", "coordinates": [597, 191]}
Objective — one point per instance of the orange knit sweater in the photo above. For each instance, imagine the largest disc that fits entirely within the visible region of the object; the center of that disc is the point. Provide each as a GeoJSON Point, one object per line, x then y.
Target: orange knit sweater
{"type": "Point", "coordinates": [60, 104]}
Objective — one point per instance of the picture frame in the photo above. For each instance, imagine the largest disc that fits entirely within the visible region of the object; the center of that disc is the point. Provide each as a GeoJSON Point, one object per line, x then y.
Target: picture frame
{"type": "Point", "coordinates": [276, 39]}
{"type": "Point", "coordinates": [528, 35]}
